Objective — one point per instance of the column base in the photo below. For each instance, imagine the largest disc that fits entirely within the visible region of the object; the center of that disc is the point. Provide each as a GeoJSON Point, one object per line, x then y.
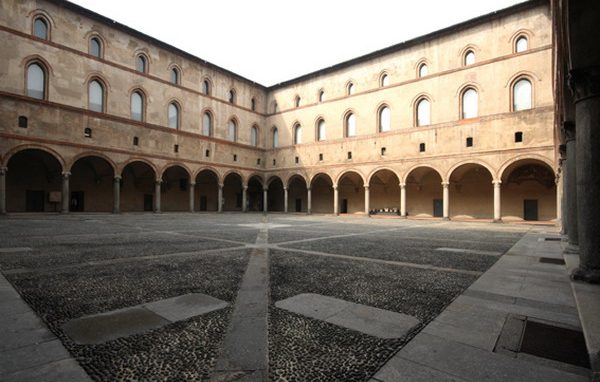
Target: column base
{"type": "Point", "coordinates": [497, 220]}
{"type": "Point", "coordinates": [572, 249]}
{"type": "Point", "coordinates": [156, 211]}
{"type": "Point", "coordinates": [116, 211]}
{"type": "Point", "coordinates": [446, 218]}
{"type": "Point", "coordinates": [591, 276]}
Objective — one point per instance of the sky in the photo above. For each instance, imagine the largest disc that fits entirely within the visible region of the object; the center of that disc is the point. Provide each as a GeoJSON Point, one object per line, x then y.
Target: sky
{"type": "Point", "coordinates": [271, 41]}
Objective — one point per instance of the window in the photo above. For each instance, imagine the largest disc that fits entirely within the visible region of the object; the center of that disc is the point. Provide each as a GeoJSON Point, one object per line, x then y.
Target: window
{"type": "Point", "coordinates": [321, 130]}
{"type": "Point", "coordinates": [469, 103]}
{"type": "Point", "coordinates": [95, 47]}
{"type": "Point", "coordinates": [422, 147]}
{"type": "Point", "coordinates": [40, 28]}
{"type": "Point", "coordinates": [382, 151]}
{"type": "Point", "coordinates": [232, 131]}
{"type": "Point", "coordinates": [96, 96]}
{"type": "Point", "coordinates": [174, 76]}
{"type": "Point", "coordinates": [258, 161]}
{"type": "Point", "coordinates": [254, 136]}
{"type": "Point", "coordinates": [350, 89]}
{"type": "Point", "coordinates": [385, 119]}
{"type": "Point", "coordinates": [275, 137]}
{"type": "Point", "coordinates": [469, 142]}
{"type": "Point", "coordinates": [423, 112]}
{"type": "Point", "coordinates": [297, 134]}
{"type": "Point", "coordinates": [235, 157]}
{"type": "Point", "coordinates": [275, 107]}
{"type": "Point", "coordinates": [207, 124]}
{"type": "Point", "coordinates": [321, 95]}
{"type": "Point", "coordinates": [350, 125]}
{"type": "Point", "coordinates": [274, 162]}
{"type": "Point", "coordinates": [297, 160]}
{"type": "Point", "coordinates": [176, 148]}
{"type": "Point", "coordinates": [23, 121]}
{"type": "Point", "coordinates": [36, 81]}
{"type": "Point", "coordinates": [173, 115]}
{"type": "Point", "coordinates": [522, 95]}
{"type": "Point", "coordinates": [207, 153]}
{"type": "Point", "coordinates": [253, 104]}
{"type": "Point", "coordinates": [231, 96]}
{"type": "Point", "coordinates": [320, 157]}
{"type": "Point", "coordinates": [137, 106]}
{"type": "Point", "coordinates": [141, 64]}
{"type": "Point", "coordinates": [87, 132]}
{"type": "Point", "coordinates": [469, 58]}
{"type": "Point", "coordinates": [205, 87]}
{"type": "Point", "coordinates": [349, 155]}
{"type": "Point", "coordinates": [519, 136]}
{"type": "Point", "coordinates": [423, 70]}
{"type": "Point", "coordinates": [136, 141]}
{"type": "Point", "coordinates": [384, 80]}
{"type": "Point", "coordinates": [521, 44]}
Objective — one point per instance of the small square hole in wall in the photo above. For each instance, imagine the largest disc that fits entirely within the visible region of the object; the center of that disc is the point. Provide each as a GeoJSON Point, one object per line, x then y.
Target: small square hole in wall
{"type": "Point", "coordinates": [349, 154]}
{"type": "Point", "coordinates": [176, 148]}
{"type": "Point", "coordinates": [422, 147]}
{"type": "Point", "coordinates": [274, 162]}
{"type": "Point", "coordinates": [383, 151]}
{"type": "Point", "coordinates": [87, 132]}
{"type": "Point", "coordinates": [469, 142]}
{"type": "Point", "coordinates": [297, 160]}
{"type": "Point", "coordinates": [136, 141]}
{"type": "Point", "coordinates": [519, 136]}
{"type": "Point", "coordinates": [207, 153]}
{"type": "Point", "coordinates": [320, 157]}
{"type": "Point", "coordinates": [258, 161]}
{"type": "Point", "coordinates": [235, 157]}
{"type": "Point", "coordinates": [23, 122]}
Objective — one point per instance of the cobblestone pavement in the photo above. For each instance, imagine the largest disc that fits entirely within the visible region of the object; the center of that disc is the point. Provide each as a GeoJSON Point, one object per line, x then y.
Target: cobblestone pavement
{"type": "Point", "coordinates": [68, 266]}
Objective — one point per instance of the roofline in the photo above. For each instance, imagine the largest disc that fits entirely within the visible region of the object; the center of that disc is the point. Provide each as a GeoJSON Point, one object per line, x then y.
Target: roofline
{"type": "Point", "coordinates": [161, 44]}
{"type": "Point", "coordinates": [417, 40]}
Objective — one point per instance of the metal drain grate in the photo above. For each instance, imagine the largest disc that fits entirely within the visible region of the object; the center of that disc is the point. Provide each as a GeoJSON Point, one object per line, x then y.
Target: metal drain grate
{"type": "Point", "coordinates": [556, 343]}
{"type": "Point", "coordinates": [553, 239]}
{"type": "Point", "coordinates": [550, 260]}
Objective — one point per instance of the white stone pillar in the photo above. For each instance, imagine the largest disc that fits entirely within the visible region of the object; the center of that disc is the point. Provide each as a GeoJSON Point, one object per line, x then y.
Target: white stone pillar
{"type": "Point", "coordinates": [265, 200]}
{"type": "Point", "coordinates": [192, 194]}
{"type": "Point", "coordinates": [117, 195]}
{"type": "Point", "coordinates": [446, 201]}
{"type": "Point", "coordinates": [65, 192]}
{"type": "Point", "coordinates": [403, 200]}
{"type": "Point", "coordinates": [220, 198]}
{"type": "Point", "coordinates": [157, 195]}
{"type": "Point", "coordinates": [244, 198]}
{"type": "Point", "coordinates": [367, 200]}
{"type": "Point", "coordinates": [497, 199]}
{"type": "Point", "coordinates": [285, 200]}
{"type": "Point", "coordinates": [309, 201]}
{"type": "Point", "coordinates": [336, 210]}
{"type": "Point", "coordinates": [3, 189]}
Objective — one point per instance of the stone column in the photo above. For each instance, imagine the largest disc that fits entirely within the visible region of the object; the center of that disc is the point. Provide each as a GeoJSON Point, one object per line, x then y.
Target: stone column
{"type": "Point", "coordinates": [446, 201]}
{"type": "Point", "coordinates": [367, 200]}
{"type": "Point", "coordinates": [497, 203]}
{"type": "Point", "coordinates": [585, 84]}
{"type": "Point", "coordinates": [309, 201]}
{"type": "Point", "coordinates": [3, 190]}
{"type": "Point", "coordinates": [569, 129]}
{"type": "Point", "coordinates": [563, 188]}
{"type": "Point", "coordinates": [117, 195]}
{"type": "Point", "coordinates": [192, 192]}
{"type": "Point", "coordinates": [65, 192]}
{"type": "Point", "coordinates": [265, 199]}
{"type": "Point", "coordinates": [157, 195]}
{"type": "Point", "coordinates": [285, 200]}
{"type": "Point", "coordinates": [244, 198]}
{"type": "Point", "coordinates": [220, 199]}
{"type": "Point", "coordinates": [403, 200]}
{"type": "Point", "coordinates": [336, 210]}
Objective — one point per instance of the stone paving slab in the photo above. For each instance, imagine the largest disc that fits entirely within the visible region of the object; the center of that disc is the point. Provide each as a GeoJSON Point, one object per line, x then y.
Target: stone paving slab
{"type": "Point", "coordinates": [400, 369]}
{"type": "Point", "coordinates": [15, 249]}
{"type": "Point", "coordinates": [362, 318]}
{"type": "Point", "coordinates": [472, 251]}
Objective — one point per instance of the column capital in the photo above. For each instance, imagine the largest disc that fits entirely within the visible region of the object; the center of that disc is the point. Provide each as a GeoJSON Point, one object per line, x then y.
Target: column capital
{"type": "Point", "coordinates": [158, 181]}
{"type": "Point", "coordinates": [3, 170]}
{"type": "Point", "coordinates": [221, 185]}
{"type": "Point", "coordinates": [562, 150]}
{"type": "Point", "coordinates": [265, 189]}
{"type": "Point", "coordinates": [66, 174]}
{"type": "Point", "coordinates": [402, 185]}
{"type": "Point", "coordinates": [496, 183]}
{"type": "Point", "coordinates": [285, 189]}
{"type": "Point", "coordinates": [308, 189]}
{"type": "Point", "coordinates": [366, 186]}
{"type": "Point", "coordinates": [192, 184]}
{"type": "Point", "coordinates": [585, 82]}
{"type": "Point", "coordinates": [335, 187]}
{"type": "Point", "coordinates": [245, 187]}
{"type": "Point", "coordinates": [445, 184]}
{"type": "Point", "coordinates": [567, 128]}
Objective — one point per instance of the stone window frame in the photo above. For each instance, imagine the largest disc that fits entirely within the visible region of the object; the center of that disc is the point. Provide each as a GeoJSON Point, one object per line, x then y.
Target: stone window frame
{"type": "Point", "coordinates": [253, 103]}
{"type": "Point", "coordinates": [345, 119]}
{"type": "Point", "coordinates": [232, 96]}
{"type": "Point", "coordinates": [419, 65]}
{"type": "Point", "coordinates": [416, 103]}
{"type": "Point", "coordinates": [318, 122]}
{"type": "Point", "coordinates": [177, 105]}
{"type": "Point", "coordinates": [42, 63]}
{"type": "Point", "coordinates": [382, 77]}
{"type": "Point", "coordinates": [144, 96]}
{"type": "Point", "coordinates": [295, 126]}
{"type": "Point", "coordinates": [297, 101]}
{"type": "Point", "coordinates": [236, 125]}
{"type": "Point", "coordinates": [380, 108]}
{"type": "Point", "coordinates": [274, 133]}
{"type": "Point", "coordinates": [45, 17]}
{"type": "Point", "coordinates": [461, 93]}
{"type": "Point", "coordinates": [174, 68]}
{"type": "Point", "coordinates": [513, 82]}
{"type": "Point", "coordinates": [321, 95]}
{"type": "Point", "coordinates": [527, 34]}
{"type": "Point", "coordinates": [101, 43]}
{"type": "Point", "coordinates": [206, 83]}
{"type": "Point", "coordinates": [211, 115]}
{"type": "Point", "coordinates": [105, 87]}
{"type": "Point", "coordinates": [257, 129]}
{"type": "Point", "coordinates": [146, 62]}
{"type": "Point", "coordinates": [350, 88]}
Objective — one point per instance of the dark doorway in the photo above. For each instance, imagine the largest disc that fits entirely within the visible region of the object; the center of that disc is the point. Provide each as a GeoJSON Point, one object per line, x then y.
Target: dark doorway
{"type": "Point", "coordinates": [344, 206]}
{"type": "Point", "coordinates": [298, 205]}
{"type": "Point", "coordinates": [148, 202]}
{"type": "Point", "coordinates": [530, 207]}
{"type": "Point", "coordinates": [76, 201]}
{"type": "Point", "coordinates": [203, 203]}
{"type": "Point", "coordinates": [438, 208]}
{"type": "Point", "coordinates": [34, 201]}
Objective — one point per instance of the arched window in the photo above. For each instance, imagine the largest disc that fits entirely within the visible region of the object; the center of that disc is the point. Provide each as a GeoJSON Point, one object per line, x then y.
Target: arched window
{"type": "Point", "coordinates": [231, 96]}
{"type": "Point", "coordinates": [232, 131]}
{"type": "Point", "coordinates": [137, 106]}
{"type": "Point", "coordinates": [469, 58]}
{"type": "Point", "coordinates": [40, 28]}
{"type": "Point", "coordinates": [423, 70]}
{"type": "Point", "coordinates": [297, 134]}
{"type": "Point", "coordinates": [384, 80]}
{"type": "Point", "coordinates": [350, 88]}
{"type": "Point", "coordinates": [36, 81]}
{"type": "Point", "coordinates": [350, 125]}
{"type": "Point", "coordinates": [205, 87]}
{"type": "Point", "coordinates": [207, 124]}
{"type": "Point", "coordinates": [254, 136]}
{"type": "Point", "coordinates": [174, 76]}
{"type": "Point", "coordinates": [423, 112]}
{"type": "Point", "coordinates": [275, 107]}
{"type": "Point", "coordinates": [521, 44]}
{"type": "Point", "coordinates": [469, 103]}
{"type": "Point", "coordinates": [96, 47]}
{"type": "Point", "coordinates": [321, 95]}
{"type": "Point", "coordinates": [321, 130]}
{"type": "Point", "coordinates": [522, 95]}
{"type": "Point", "coordinates": [253, 104]}
{"type": "Point", "coordinates": [275, 137]}
{"type": "Point", "coordinates": [96, 96]}
{"type": "Point", "coordinates": [297, 101]}
{"type": "Point", "coordinates": [385, 119]}
{"type": "Point", "coordinates": [141, 64]}
{"type": "Point", "coordinates": [173, 115]}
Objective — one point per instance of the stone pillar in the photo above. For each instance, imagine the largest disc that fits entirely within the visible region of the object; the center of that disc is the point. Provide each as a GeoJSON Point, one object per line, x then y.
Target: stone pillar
{"type": "Point", "coordinates": [403, 200]}
{"type": "Point", "coordinates": [446, 201]}
{"type": "Point", "coordinates": [585, 84]}
{"type": "Point", "coordinates": [157, 195]}
{"type": "Point", "coordinates": [309, 201]}
{"type": "Point", "coordinates": [367, 200]}
{"type": "Point", "coordinates": [192, 194]}
{"type": "Point", "coordinates": [220, 199]}
{"type": "Point", "coordinates": [244, 198]}
{"type": "Point", "coordinates": [66, 197]}
{"type": "Point", "coordinates": [336, 210]}
{"type": "Point", "coordinates": [117, 195]}
{"type": "Point", "coordinates": [497, 203]}
{"type": "Point", "coordinates": [265, 199]}
{"type": "Point", "coordinates": [3, 190]}
{"type": "Point", "coordinates": [285, 200]}
{"type": "Point", "coordinates": [563, 189]}
{"type": "Point", "coordinates": [569, 129]}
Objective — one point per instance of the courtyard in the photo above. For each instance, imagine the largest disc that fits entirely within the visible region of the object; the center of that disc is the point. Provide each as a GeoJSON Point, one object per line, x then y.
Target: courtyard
{"type": "Point", "coordinates": [262, 273]}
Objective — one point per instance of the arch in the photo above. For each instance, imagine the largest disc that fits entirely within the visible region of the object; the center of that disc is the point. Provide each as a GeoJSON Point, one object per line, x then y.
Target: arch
{"type": "Point", "coordinates": [381, 124]}
{"type": "Point", "coordinates": [471, 191]}
{"type": "Point", "coordinates": [297, 100]}
{"type": "Point", "coordinates": [320, 129]}
{"type": "Point", "coordinates": [349, 123]}
{"type": "Point", "coordinates": [253, 103]}
{"type": "Point", "coordinates": [275, 194]}
{"type": "Point", "coordinates": [320, 174]}
{"type": "Point", "coordinates": [41, 27]}
{"type": "Point", "coordinates": [164, 168]}
{"type": "Point", "coordinates": [424, 192]}
{"type": "Point", "coordinates": [422, 111]}
{"type": "Point", "coordinates": [419, 64]}
{"type": "Point", "coordinates": [254, 175]}
{"type": "Point", "coordinates": [254, 135]}
{"type": "Point", "coordinates": [231, 96]}
{"type": "Point", "coordinates": [90, 36]}
{"type": "Point", "coordinates": [274, 137]}
{"type": "Point", "coordinates": [297, 193]}
{"type": "Point", "coordinates": [384, 191]}
{"type": "Point", "coordinates": [142, 67]}
{"type": "Point", "coordinates": [174, 114]}
{"type": "Point", "coordinates": [255, 192]}
{"type": "Point", "coordinates": [206, 86]}
{"type": "Point", "coordinates": [384, 79]}
{"type": "Point", "coordinates": [321, 185]}
{"type": "Point", "coordinates": [469, 103]}
{"type": "Point", "coordinates": [290, 178]}
{"type": "Point", "coordinates": [351, 192]}
{"type": "Point", "coordinates": [37, 58]}
{"type": "Point", "coordinates": [523, 79]}
{"type": "Point", "coordinates": [346, 172]}
{"type": "Point", "coordinates": [523, 32]}
{"type": "Point", "coordinates": [350, 87]}
{"type": "Point", "coordinates": [206, 168]}
{"type": "Point", "coordinates": [174, 68]}
{"type": "Point", "coordinates": [321, 95]}
{"type": "Point", "coordinates": [206, 191]}
{"type": "Point", "coordinates": [138, 185]}
{"type": "Point", "coordinates": [91, 183]}
{"type": "Point", "coordinates": [479, 162]}
{"type": "Point", "coordinates": [529, 157]}
{"type": "Point", "coordinates": [92, 154]}
{"type": "Point", "coordinates": [382, 168]}
{"type": "Point", "coordinates": [229, 172]}
{"type": "Point", "coordinates": [416, 166]}
{"type": "Point", "coordinates": [19, 148]}
{"type": "Point", "coordinates": [38, 61]}
{"type": "Point", "coordinates": [273, 178]}
{"type": "Point", "coordinates": [129, 161]}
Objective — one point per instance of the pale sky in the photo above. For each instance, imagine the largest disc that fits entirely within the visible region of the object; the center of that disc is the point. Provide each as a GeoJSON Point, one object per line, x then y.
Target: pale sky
{"type": "Point", "coordinates": [270, 41]}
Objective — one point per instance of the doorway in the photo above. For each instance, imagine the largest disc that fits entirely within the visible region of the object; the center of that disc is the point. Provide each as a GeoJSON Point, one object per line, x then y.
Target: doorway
{"type": "Point", "coordinates": [34, 201]}
{"type": "Point", "coordinates": [148, 202]}
{"type": "Point", "coordinates": [530, 209]}
{"type": "Point", "coordinates": [298, 205]}
{"type": "Point", "coordinates": [344, 206]}
{"type": "Point", "coordinates": [438, 208]}
{"type": "Point", "coordinates": [76, 201]}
